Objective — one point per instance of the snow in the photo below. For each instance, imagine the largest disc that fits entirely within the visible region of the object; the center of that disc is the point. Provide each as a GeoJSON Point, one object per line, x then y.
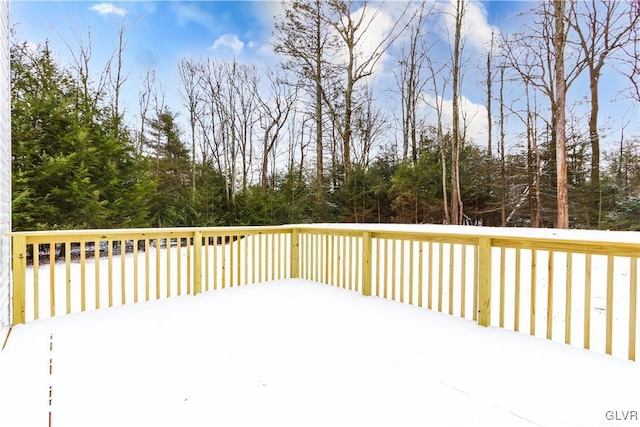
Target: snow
{"type": "Point", "coordinates": [466, 230]}
{"type": "Point", "coordinates": [597, 310]}
{"type": "Point", "coordinates": [294, 352]}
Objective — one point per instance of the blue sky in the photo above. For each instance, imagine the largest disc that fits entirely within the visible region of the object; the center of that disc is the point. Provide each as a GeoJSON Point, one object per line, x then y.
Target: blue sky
{"type": "Point", "coordinates": [161, 33]}
{"type": "Point", "coordinates": [158, 32]}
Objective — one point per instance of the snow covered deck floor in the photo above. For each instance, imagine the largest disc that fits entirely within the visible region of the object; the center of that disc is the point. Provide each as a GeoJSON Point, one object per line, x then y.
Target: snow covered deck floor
{"type": "Point", "coordinates": [295, 352]}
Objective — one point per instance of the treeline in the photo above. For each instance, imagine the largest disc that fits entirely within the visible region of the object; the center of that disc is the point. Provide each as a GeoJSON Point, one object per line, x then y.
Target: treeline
{"type": "Point", "coordinates": [308, 141]}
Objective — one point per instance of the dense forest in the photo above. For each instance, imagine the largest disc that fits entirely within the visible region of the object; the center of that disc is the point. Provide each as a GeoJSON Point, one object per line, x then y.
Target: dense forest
{"type": "Point", "coordinates": [311, 141]}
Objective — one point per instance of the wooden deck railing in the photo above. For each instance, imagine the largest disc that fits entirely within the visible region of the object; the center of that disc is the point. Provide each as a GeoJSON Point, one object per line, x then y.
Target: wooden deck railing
{"type": "Point", "coordinates": [103, 268]}
{"type": "Point", "coordinates": [581, 292]}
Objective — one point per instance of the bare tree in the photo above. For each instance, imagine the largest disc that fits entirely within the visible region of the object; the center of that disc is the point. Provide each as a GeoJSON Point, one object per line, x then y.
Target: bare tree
{"type": "Point", "coordinates": [229, 98]}
{"type": "Point", "coordinates": [225, 106]}
{"type": "Point", "coordinates": [602, 27]}
{"type": "Point", "coordinates": [369, 126]}
{"type": "Point", "coordinates": [189, 74]}
{"type": "Point", "coordinates": [503, 175]}
{"type": "Point", "coordinates": [219, 100]}
{"type": "Point", "coordinates": [489, 83]}
{"type": "Point", "coordinates": [438, 107]}
{"type": "Point", "coordinates": [275, 112]}
{"type": "Point", "coordinates": [82, 66]}
{"type": "Point", "coordinates": [152, 105]}
{"type": "Point", "coordinates": [456, 199]}
{"type": "Point", "coordinates": [539, 55]}
{"type": "Point", "coordinates": [304, 36]}
{"type": "Point", "coordinates": [118, 81]}
{"type": "Point", "coordinates": [109, 81]}
{"type": "Point", "coordinates": [410, 79]}
{"type": "Point", "coordinates": [559, 42]}
{"type": "Point", "coordinates": [527, 115]}
{"type": "Point", "coordinates": [535, 208]}
{"type": "Point", "coordinates": [351, 27]}
{"type": "Point", "coordinates": [244, 80]}
{"type": "Point", "coordinates": [213, 120]}
{"type": "Point", "coordinates": [629, 62]}
{"type": "Point", "coordinates": [144, 101]}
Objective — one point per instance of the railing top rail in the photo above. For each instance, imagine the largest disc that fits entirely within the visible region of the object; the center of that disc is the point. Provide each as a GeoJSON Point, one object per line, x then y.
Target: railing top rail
{"type": "Point", "coordinates": [585, 241]}
{"type": "Point", "coordinates": [106, 234]}
{"type": "Point", "coordinates": [580, 241]}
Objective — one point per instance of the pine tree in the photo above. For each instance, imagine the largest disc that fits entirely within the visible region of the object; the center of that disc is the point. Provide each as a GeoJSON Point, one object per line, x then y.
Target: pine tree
{"type": "Point", "coordinates": [71, 168]}
{"type": "Point", "coordinates": [171, 205]}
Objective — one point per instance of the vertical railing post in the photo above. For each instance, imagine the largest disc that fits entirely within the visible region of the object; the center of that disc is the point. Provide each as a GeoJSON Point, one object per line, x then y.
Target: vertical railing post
{"type": "Point", "coordinates": [366, 263]}
{"type": "Point", "coordinates": [484, 281]}
{"type": "Point", "coordinates": [295, 253]}
{"type": "Point", "coordinates": [19, 251]}
{"type": "Point", "coordinates": [197, 262]}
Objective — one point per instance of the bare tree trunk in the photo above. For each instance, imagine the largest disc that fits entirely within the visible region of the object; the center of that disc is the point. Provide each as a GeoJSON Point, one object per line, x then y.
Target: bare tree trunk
{"type": "Point", "coordinates": [302, 154]}
{"type": "Point", "coordinates": [144, 99]}
{"type": "Point", "coordinates": [438, 107]}
{"type": "Point", "coordinates": [532, 168]}
{"type": "Point", "coordinates": [348, 102]}
{"type": "Point", "coordinates": [561, 94]}
{"type": "Point", "coordinates": [594, 138]}
{"type": "Point", "coordinates": [530, 182]}
{"type": "Point", "coordinates": [619, 177]}
{"type": "Point", "coordinates": [119, 79]}
{"type": "Point", "coordinates": [538, 165]}
{"type": "Point", "coordinates": [443, 163]}
{"type": "Point", "coordinates": [489, 82]}
{"type": "Point", "coordinates": [158, 94]}
{"type": "Point", "coordinates": [456, 199]}
{"type": "Point", "coordinates": [503, 176]}
{"type": "Point", "coordinates": [188, 73]}
{"type": "Point", "coordinates": [410, 81]}
{"type": "Point", "coordinates": [233, 157]}
{"type": "Point", "coordinates": [320, 205]}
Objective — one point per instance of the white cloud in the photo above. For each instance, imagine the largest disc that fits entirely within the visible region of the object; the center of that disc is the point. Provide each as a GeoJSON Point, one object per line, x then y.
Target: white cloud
{"type": "Point", "coordinates": [267, 13]}
{"type": "Point", "coordinates": [475, 27]}
{"type": "Point", "coordinates": [187, 13]}
{"type": "Point", "coordinates": [32, 47]}
{"type": "Point", "coordinates": [375, 27]}
{"type": "Point", "coordinates": [228, 42]}
{"type": "Point", "coordinates": [472, 114]}
{"type": "Point", "coordinates": [108, 9]}
{"type": "Point", "coordinates": [379, 28]}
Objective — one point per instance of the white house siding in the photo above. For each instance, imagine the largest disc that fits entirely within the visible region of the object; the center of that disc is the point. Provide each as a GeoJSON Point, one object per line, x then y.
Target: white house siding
{"type": "Point", "coordinates": [5, 167]}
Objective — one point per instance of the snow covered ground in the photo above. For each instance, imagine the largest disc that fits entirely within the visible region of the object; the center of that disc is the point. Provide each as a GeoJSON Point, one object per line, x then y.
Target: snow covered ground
{"type": "Point", "coordinates": [294, 352]}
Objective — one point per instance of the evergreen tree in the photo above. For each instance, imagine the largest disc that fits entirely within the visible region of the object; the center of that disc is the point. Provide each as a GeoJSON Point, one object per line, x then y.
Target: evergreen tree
{"type": "Point", "coordinates": [417, 191]}
{"type": "Point", "coordinates": [69, 168]}
{"type": "Point", "coordinates": [170, 205]}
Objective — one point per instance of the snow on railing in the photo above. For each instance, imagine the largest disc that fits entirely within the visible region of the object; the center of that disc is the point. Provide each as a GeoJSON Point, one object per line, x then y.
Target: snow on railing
{"type": "Point", "coordinates": [580, 289]}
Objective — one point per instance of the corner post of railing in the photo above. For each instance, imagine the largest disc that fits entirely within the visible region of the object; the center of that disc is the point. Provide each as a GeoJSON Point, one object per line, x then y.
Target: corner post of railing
{"type": "Point", "coordinates": [484, 281]}
{"type": "Point", "coordinates": [366, 263]}
{"type": "Point", "coordinates": [295, 253]}
{"type": "Point", "coordinates": [197, 262]}
{"type": "Point", "coordinates": [19, 267]}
